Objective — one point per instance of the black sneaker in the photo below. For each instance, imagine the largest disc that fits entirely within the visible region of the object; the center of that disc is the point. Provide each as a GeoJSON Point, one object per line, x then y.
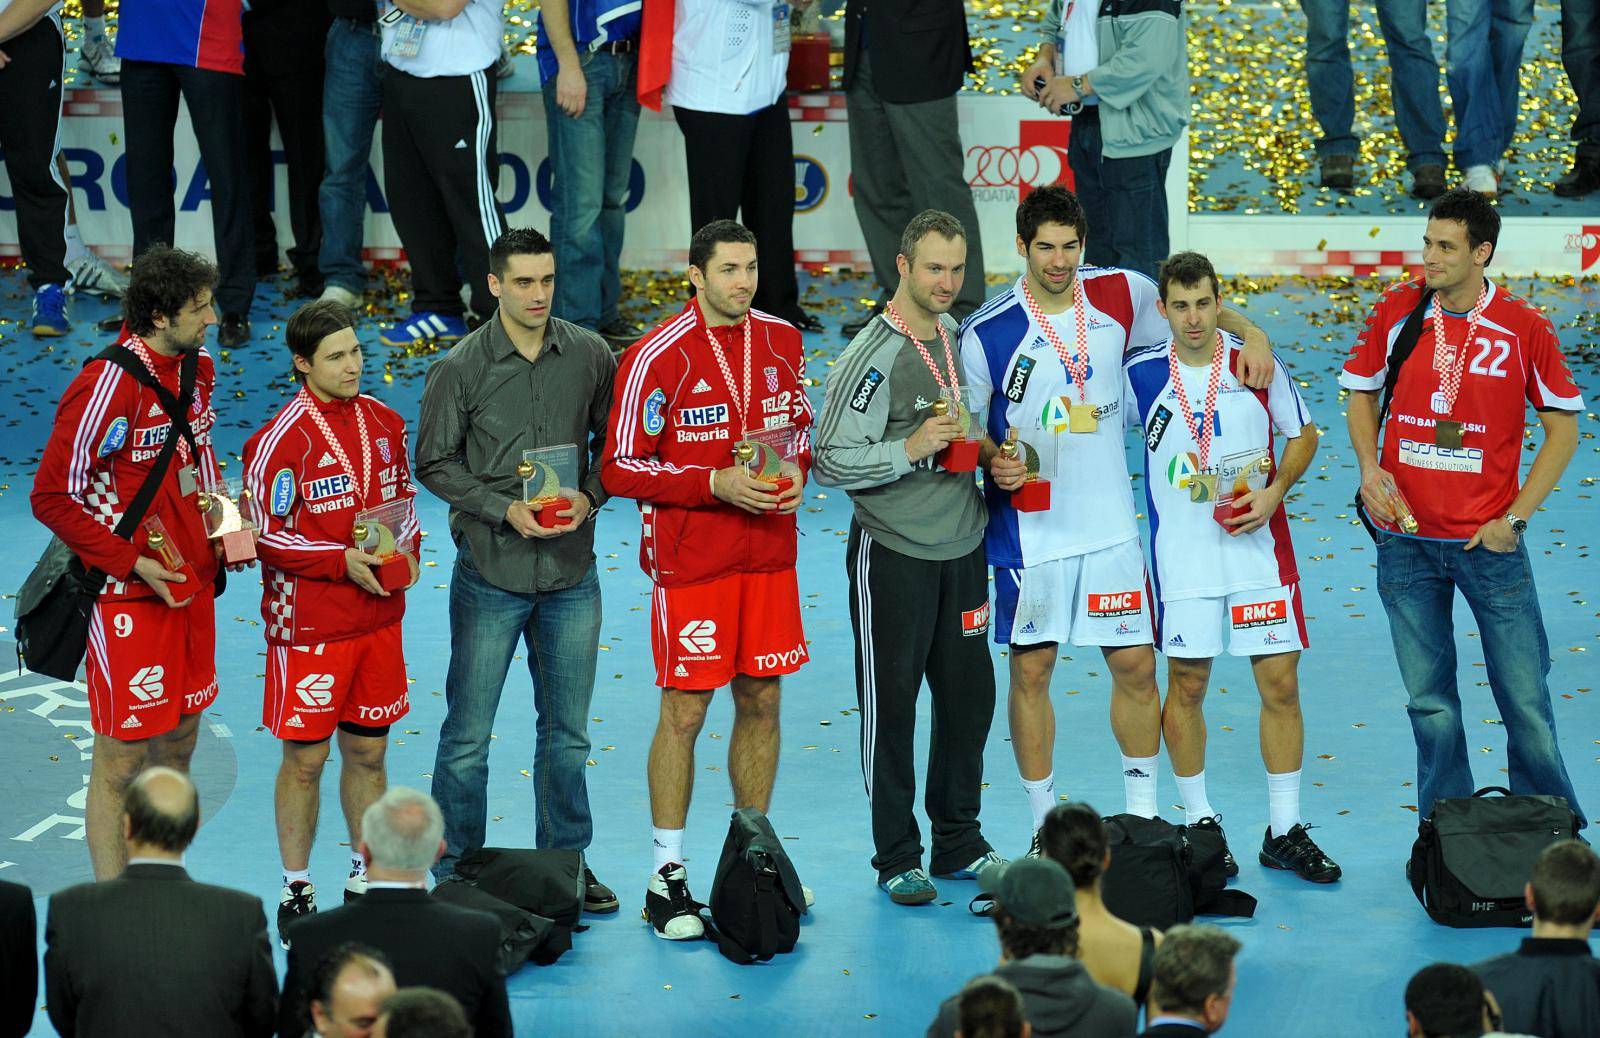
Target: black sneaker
{"type": "Point", "coordinates": [1296, 851]}
{"type": "Point", "coordinates": [1213, 824]}
{"type": "Point", "coordinates": [233, 331]}
{"type": "Point", "coordinates": [620, 333]}
{"type": "Point", "coordinates": [1583, 178]}
{"type": "Point", "coordinates": [1427, 181]}
{"type": "Point", "coordinates": [1338, 172]}
{"type": "Point", "coordinates": [355, 886]}
{"type": "Point", "coordinates": [670, 909]}
{"type": "Point", "coordinates": [299, 899]}
{"type": "Point", "coordinates": [597, 897]}
{"type": "Point", "coordinates": [1035, 850]}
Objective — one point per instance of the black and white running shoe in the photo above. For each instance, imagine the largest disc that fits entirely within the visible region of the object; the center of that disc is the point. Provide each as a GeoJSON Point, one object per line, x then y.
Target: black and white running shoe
{"type": "Point", "coordinates": [670, 909]}
{"type": "Point", "coordinates": [299, 899]}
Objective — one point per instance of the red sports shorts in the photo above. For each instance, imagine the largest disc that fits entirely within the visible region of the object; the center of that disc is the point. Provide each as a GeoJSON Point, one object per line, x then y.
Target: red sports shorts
{"type": "Point", "coordinates": [312, 688]}
{"type": "Point", "coordinates": [744, 623]}
{"type": "Point", "coordinates": [150, 665]}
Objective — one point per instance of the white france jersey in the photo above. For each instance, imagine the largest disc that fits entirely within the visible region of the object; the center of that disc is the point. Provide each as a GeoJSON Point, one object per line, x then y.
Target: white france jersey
{"type": "Point", "coordinates": [1006, 355]}
{"type": "Point", "coordinates": [1193, 556]}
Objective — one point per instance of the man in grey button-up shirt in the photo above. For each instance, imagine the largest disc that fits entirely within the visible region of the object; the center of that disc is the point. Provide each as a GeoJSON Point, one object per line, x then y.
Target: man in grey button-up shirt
{"type": "Point", "coordinates": [521, 381]}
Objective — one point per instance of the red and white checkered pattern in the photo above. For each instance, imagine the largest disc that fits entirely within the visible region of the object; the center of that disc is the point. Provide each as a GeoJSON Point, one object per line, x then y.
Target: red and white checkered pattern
{"type": "Point", "coordinates": [280, 608]}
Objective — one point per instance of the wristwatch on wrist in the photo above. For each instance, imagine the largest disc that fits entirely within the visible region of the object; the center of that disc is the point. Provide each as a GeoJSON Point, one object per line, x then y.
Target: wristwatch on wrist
{"type": "Point", "coordinates": [1518, 526]}
{"type": "Point", "coordinates": [1077, 85]}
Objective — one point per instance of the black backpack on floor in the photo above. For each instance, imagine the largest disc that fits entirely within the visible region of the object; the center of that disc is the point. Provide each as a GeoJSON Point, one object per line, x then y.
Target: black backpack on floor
{"type": "Point", "coordinates": [1473, 855]}
{"type": "Point", "coordinates": [1163, 874]}
{"type": "Point", "coordinates": [756, 898]}
{"type": "Point", "coordinates": [547, 883]}
{"type": "Point", "coordinates": [523, 935]}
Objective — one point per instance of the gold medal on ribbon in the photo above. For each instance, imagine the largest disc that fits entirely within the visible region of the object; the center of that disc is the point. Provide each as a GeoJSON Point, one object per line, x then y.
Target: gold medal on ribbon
{"type": "Point", "coordinates": [1447, 434]}
{"type": "Point", "coordinates": [1081, 419]}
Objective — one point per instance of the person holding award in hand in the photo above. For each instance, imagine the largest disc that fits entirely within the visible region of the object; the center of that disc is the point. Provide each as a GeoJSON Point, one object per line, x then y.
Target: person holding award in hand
{"type": "Point", "coordinates": [711, 435]}
{"type": "Point", "coordinates": [919, 598]}
{"type": "Point", "coordinates": [329, 481]}
{"type": "Point", "coordinates": [1220, 546]}
{"type": "Point", "coordinates": [134, 429]}
{"type": "Point", "coordinates": [519, 388]}
{"type": "Point", "coordinates": [1445, 370]}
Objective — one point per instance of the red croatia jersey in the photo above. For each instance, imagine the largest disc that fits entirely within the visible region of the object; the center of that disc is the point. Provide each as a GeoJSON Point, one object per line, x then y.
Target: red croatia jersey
{"type": "Point", "coordinates": [305, 503]}
{"type": "Point", "coordinates": [674, 421]}
{"type": "Point", "coordinates": [108, 430]}
{"type": "Point", "coordinates": [1514, 360]}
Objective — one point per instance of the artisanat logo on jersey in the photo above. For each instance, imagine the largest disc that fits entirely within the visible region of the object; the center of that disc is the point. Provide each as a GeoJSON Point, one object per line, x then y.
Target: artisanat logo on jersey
{"type": "Point", "coordinates": [1424, 455]}
{"type": "Point", "coordinates": [654, 412]}
{"type": "Point", "coordinates": [1261, 614]}
{"type": "Point", "coordinates": [810, 183]}
{"type": "Point", "coordinates": [1057, 414]}
{"type": "Point", "coordinates": [975, 621]}
{"type": "Point", "coordinates": [116, 435]}
{"type": "Point", "coordinates": [1181, 468]}
{"type": "Point", "coordinates": [1119, 603]}
{"type": "Point", "coordinates": [861, 399]}
{"type": "Point", "coordinates": [1017, 381]}
{"type": "Point", "coordinates": [336, 485]}
{"type": "Point", "coordinates": [1157, 427]}
{"type": "Point", "coordinates": [282, 492]}
{"type": "Point", "coordinates": [702, 417]}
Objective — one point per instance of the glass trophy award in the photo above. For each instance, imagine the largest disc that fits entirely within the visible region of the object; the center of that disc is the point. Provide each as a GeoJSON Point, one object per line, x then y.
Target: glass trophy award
{"type": "Point", "coordinates": [379, 531]}
{"type": "Point", "coordinates": [224, 506]}
{"type": "Point", "coordinates": [962, 404]}
{"type": "Point", "coordinates": [549, 482]}
{"type": "Point", "coordinates": [1237, 475]}
{"type": "Point", "coordinates": [1404, 517]}
{"type": "Point", "coordinates": [165, 550]}
{"type": "Point", "coordinates": [1034, 494]}
{"type": "Point", "coordinates": [769, 455]}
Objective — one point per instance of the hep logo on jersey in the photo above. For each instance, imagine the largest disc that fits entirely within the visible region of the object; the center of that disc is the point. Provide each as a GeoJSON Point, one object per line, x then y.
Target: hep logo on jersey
{"type": "Point", "coordinates": [336, 485]}
{"type": "Point", "coordinates": [148, 684]}
{"type": "Point", "coordinates": [975, 621]}
{"type": "Point", "coordinates": [701, 417]}
{"type": "Point", "coordinates": [315, 689]}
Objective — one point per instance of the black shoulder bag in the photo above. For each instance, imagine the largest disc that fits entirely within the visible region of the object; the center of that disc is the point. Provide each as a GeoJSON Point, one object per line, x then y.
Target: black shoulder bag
{"type": "Point", "coordinates": [55, 602]}
{"type": "Point", "coordinates": [1404, 344]}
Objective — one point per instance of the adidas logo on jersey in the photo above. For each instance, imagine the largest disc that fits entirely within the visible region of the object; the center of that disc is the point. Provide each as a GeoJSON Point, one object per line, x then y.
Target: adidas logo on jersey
{"type": "Point", "coordinates": [154, 412]}
{"type": "Point", "coordinates": [294, 722]}
{"type": "Point", "coordinates": [681, 671]}
{"type": "Point", "coordinates": [701, 387]}
{"type": "Point", "coordinates": [132, 722]}
{"type": "Point", "coordinates": [325, 460]}
{"type": "Point", "coordinates": [1176, 641]}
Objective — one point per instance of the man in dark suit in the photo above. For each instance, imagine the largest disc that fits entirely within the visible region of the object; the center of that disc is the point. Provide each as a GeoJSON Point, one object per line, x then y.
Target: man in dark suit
{"type": "Point", "coordinates": [19, 959]}
{"type": "Point", "coordinates": [1550, 986]}
{"type": "Point", "coordinates": [428, 942]}
{"type": "Point", "coordinates": [1193, 985]}
{"type": "Point", "coordinates": [180, 957]}
{"type": "Point", "coordinates": [904, 62]}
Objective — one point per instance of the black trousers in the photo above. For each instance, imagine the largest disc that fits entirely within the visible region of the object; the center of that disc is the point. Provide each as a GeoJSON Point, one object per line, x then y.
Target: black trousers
{"type": "Point", "coordinates": [914, 619]}
{"type": "Point", "coordinates": [440, 167]}
{"type": "Point", "coordinates": [744, 164]}
{"type": "Point", "coordinates": [294, 97]}
{"type": "Point", "coordinates": [150, 93]}
{"type": "Point", "coordinates": [30, 120]}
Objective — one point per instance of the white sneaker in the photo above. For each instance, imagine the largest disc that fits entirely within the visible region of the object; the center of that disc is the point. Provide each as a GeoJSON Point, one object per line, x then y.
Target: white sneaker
{"type": "Point", "coordinates": [1483, 180]}
{"type": "Point", "coordinates": [355, 886]}
{"type": "Point", "coordinates": [811, 899]}
{"type": "Point", "coordinates": [332, 293]}
{"type": "Point", "coordinates": [96, 277]}
{"type": "Point", "coordinates": [98, 58]}
{"type": "Point", "coordinates": [670, 909]}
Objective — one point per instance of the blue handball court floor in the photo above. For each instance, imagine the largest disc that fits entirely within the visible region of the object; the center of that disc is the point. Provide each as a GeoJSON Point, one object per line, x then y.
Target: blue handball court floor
{"type": "Point", "coordinates": [1317, 960]}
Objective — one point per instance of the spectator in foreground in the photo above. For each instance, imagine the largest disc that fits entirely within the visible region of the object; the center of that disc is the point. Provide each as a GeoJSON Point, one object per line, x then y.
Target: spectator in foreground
{"type": "Point", "coordinates": [992, 1008]}
{"type": "Point", "coordinates": [1550, 986]}
{"type": "Point", "coordinates": [152, 944]}
{"type": "Point", "coordinates": [422, 1013]}
{"type": "Point", "coordinates": [1194, 982]}
{"type": "Point", "coordinates": [1445, 1000]}
{"type": "Point", "coordinates": [1037, 921]}
{"type": "Point", "coordinates": [1118, 955]}
{"type": "Point", "coordinates": [19, 959]}
{"type": "Point", "coordinates": [348, 991]}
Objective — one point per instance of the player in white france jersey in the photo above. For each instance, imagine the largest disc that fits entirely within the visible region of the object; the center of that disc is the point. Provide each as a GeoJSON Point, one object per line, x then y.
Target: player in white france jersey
{"type": "Point", "coordinates": [1219, 544]}
{"type": "Point", "coordinates": [1048, 355]}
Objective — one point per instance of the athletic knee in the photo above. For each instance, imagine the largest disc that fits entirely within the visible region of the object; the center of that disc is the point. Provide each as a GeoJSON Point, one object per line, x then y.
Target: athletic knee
{"type": "Point", "coordinates": [1281, 697]}
{"type": "Point", "coordinates": [304, 763]}
{"type": "Point", "coordinates": [363, 753]}
{"type": "Point", "coordinates": [1187, 686]}
{"type": "Point", "coordinates": [683, 714]}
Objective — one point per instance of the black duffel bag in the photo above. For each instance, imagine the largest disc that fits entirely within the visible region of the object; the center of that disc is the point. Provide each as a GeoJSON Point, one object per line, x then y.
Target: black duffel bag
{"type": "Point", "coordinates": [523, 935]}
{"type": "Point", "coordinates": [756, 897]}
{"type": "Point", "coordinates": [1474, 855]}
{"type": "Point", "coordinates": [547, 883]}
{"type": "Point", "coordinates": [1163, 874]}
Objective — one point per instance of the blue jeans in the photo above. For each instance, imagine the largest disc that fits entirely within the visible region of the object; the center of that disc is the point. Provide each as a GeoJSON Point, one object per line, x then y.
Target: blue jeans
{"type": "Point", "coordinates": [1128, 198]}
{"type": "Point", "coordinates": [591, 158]}
{"type": "Point", "coordinates": [1417, 580]}
{"type": "Point", "coordinates": [1482, 58]}
{"type": "Point", "coordinates": [561, 630]}
{"type": "Point", "coordinates": [1413, 77]}
{"type": "Point", "coordinates": [1580, 56]}
{"type": "Point", "coordinates": [351, 96]}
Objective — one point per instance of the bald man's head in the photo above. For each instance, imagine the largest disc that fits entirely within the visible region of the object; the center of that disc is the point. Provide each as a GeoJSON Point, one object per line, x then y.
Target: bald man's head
{"type": "Point", "coordinates": [163, 810]}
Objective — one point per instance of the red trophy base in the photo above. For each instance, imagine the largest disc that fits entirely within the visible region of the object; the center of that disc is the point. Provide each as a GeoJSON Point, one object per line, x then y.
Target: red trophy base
{"type": "Point", "coordinates": [546, 514]}
{"type": "Point", "coordinates": [1032, 496]}
{"type": "Point", "coordinates": [394, 572]}
{"type": "Point", "coordinates": [1228, 510]}
{"type": "Point", "coordinates": [190, 586]}
{"type": "Point", "coordinates": [808, 62]}
{"type": "Point", "coordinates": [239, 547]}
{"type": "Point", "coordinates": [959, 456]}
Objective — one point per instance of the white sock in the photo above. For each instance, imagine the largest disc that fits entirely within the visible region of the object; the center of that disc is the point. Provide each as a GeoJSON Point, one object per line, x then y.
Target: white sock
{"type": "Point", "coordinates": [1283, 801]}
{"type": "Point", "coordinates": [93, 27]}
{"type": "Point", "coordinates": [296, 876]}
{"type": "Point", "coordinates": [1139, 785]}
{"type": "Point", "coordinates": [76, 249]}
{"type": "Point", "coordinates": [668, 846]}
{"type": "Point", "coordinates": [1193, 790]}
{"type": "Point", "coordinates": [358, 865]}
{"type": "Point", "coordinates": [1041, 797]}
